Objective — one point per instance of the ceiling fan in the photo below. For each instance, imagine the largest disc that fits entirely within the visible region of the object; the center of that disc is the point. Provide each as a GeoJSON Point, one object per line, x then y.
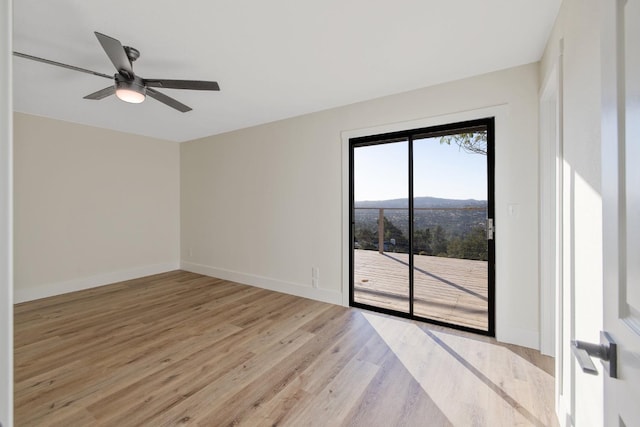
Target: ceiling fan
{"type": "Point", "coordinates": [126, 85]}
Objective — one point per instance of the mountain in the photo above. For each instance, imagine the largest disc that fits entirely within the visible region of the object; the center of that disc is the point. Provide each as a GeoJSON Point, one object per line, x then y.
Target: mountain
{"type": "Point", "coordinates": [422, 202]}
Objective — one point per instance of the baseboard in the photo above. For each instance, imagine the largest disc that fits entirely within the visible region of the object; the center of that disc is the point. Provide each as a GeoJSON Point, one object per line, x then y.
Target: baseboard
{"type": "Point", "coordinates": [52, 289]}
{"type": "Point", "coordinates": [323, 295]}
{"type": "Point", "coordinates": [522, 337]}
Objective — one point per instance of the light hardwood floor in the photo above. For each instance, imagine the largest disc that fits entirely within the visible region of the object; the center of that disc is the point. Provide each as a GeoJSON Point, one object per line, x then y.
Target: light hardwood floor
{"type": "Point", "coordinates": [185, 349]}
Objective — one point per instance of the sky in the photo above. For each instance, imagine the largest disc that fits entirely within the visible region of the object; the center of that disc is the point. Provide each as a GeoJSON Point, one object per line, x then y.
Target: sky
{"type": "Point", "coordinates": [440, 170]}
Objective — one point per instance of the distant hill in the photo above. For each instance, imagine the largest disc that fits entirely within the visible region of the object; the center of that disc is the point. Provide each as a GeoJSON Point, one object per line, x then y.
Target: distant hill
{"type": "Point", "coordinates": [457, 220]}
{"type": "Point", "coordinates": [422, 202]}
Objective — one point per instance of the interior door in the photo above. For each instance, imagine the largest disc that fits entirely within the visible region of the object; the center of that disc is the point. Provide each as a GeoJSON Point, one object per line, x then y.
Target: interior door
{"type": "Point", "coordinates": [621, 205]}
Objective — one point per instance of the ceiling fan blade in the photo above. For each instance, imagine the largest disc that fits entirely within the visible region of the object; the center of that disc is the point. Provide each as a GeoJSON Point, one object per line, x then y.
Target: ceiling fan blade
{"type": "Point", "coordinates": [60, 64]}
{"type": "Point", "coordinates": [103, 93]}
{"type": "Point", "coordinates": [116, 53]}
{"type": "Point", "coordinates": [182, 84]}
{"type": "Point", "coordinates": [167, 100]}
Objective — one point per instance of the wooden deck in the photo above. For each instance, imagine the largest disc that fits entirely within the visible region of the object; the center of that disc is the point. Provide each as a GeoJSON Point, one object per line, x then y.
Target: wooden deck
{"type": "Point", "coordinates": [446, 289]}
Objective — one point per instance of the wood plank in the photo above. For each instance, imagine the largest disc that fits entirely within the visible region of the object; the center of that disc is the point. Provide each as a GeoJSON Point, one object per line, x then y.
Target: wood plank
{"type": "Point", "coordinates": [449, 290]}
{"type": "Point", "coordinates": [181, 348]}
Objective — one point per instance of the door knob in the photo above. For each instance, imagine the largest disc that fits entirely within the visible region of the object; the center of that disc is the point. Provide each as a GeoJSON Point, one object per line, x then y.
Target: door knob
{"type": "Point", "coordinates": [606, 351]}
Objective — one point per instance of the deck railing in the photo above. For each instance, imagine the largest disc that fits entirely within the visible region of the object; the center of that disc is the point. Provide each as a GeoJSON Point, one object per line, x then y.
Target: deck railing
{"type": "Point", "coordinates": [381, 217]}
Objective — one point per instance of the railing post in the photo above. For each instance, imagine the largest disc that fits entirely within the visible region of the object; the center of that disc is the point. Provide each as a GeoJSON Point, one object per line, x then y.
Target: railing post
{"type": "Point", "coordinates": [381, 230]}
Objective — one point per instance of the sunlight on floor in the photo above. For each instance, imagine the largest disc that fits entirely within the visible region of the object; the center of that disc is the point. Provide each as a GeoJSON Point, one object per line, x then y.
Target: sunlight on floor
{"type": "Point", "coordinates": [454, 371]}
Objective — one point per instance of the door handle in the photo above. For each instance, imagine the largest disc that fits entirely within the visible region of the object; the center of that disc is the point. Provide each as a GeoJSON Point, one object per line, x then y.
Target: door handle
{"type": "Point", "coordinates": [606, 351]}
{"type": "Point", "coordinates": [490, 228]}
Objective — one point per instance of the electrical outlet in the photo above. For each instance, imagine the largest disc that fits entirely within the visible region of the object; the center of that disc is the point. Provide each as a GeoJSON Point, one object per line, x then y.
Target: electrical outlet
{"type": "Point", "coordinates": [315, 277]}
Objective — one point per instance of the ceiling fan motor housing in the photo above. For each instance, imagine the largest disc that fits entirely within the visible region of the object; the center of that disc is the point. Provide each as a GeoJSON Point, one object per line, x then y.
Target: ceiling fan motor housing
{"type": "Point", "coordinates": [125, 87]}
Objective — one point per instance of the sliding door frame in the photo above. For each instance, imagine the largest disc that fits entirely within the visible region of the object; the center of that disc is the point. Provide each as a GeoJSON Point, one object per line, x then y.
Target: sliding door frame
{"type": "Point", "coordinates": [409, 134]}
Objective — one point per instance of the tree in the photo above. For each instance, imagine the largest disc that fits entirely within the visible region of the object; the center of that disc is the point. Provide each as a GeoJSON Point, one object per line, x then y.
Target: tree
{"type": "Point", "coordinates": [471, 142]}
{"type": "Point", "coordinates": [439, 241]}
{"type": "Point", "coordinates": [366, 238]}
{"type": "Point", "coordinates": [473, 245]}
{"type": "Point", "coordinates": [393, 232]}
{"type": "Point", "coordinates": [422, 241]}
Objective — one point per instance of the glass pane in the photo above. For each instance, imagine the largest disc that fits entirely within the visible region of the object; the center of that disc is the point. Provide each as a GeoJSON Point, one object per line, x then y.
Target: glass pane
{"type": "Point", "coordinates": [381, 225]}
{"type": "Point", "coordinates": [450, 248]}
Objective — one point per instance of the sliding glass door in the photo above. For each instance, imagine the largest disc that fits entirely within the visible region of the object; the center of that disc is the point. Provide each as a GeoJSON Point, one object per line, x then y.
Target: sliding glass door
{"type": "Point", "coordinates": [381, 170]}
{"type": "Point", "coordinates": [422, 224]}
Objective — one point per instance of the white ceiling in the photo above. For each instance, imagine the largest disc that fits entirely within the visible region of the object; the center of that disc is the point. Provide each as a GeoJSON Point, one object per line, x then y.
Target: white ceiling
{"type": "Point", "coordinates": [273, 59]}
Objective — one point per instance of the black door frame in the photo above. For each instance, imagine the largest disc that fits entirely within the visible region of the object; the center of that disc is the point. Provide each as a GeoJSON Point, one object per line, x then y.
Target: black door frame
{"type": "Point", "coordinates": [409, 136]}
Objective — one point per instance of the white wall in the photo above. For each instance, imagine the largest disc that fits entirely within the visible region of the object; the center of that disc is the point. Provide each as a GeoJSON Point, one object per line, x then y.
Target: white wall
{"type": "Point", "coordinates": [6, 275]}
{"type": "Point", "coordinates": [264, 205]}
{"type": "Point", "coordinates": [92, 206]}
{"type": "Point", "coordinates": [578, 24]}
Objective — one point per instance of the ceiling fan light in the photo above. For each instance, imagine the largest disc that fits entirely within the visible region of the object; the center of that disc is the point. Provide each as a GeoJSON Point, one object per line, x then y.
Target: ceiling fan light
{"type": "Point", "coordinates": [131, 96]}
{"type": "Point", "coordinates": [130, 91]}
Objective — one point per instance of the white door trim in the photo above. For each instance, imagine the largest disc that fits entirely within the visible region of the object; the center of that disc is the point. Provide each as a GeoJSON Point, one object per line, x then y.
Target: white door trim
{"type": "Point", "coordinates": [550, 257]}
{"type": "Point", "coordinates": [552, 291]}
{"type": "Point", "coordinates": [504, 331]}
{"type": "Point", "coordinates": [6, 212]}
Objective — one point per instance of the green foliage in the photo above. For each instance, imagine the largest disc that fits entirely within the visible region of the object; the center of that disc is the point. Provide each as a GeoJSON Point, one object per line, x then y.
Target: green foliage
{"type": "Point", "coordinates": [439, 241]}
{"type": "Point", "coordinates": [473, 142]}
{"type": "Point", "coordinates": [426, 241]}
{"type": "Point", "coordinates": [366, 238]}
{"type": "Point", "coordinates": [422, 241]}
{"type": "Point", "coordinates": [393, 232]}
{"type": "Point", "coordinates": [471, 246]}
